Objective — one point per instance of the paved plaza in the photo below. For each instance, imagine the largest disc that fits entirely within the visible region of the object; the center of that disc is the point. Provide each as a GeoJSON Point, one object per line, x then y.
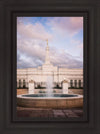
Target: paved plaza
{"type": "Point", "coordinates": [56, 113]}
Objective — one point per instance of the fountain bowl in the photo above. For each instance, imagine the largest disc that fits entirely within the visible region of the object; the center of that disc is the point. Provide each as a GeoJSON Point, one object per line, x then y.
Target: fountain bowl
{"type": "Point", "coordinates": [57, 101]}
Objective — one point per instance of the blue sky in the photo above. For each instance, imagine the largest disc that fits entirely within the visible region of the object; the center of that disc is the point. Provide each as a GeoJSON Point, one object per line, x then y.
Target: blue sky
{"type": "Point", "coordinates": [65, 39]}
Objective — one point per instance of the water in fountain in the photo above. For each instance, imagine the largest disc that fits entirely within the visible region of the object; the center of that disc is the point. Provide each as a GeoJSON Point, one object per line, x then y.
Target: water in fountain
{"type": "Point", "coordinates": [49, 86]}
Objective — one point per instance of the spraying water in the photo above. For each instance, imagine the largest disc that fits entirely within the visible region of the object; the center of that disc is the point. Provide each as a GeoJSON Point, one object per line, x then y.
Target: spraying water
{"type": "Point", "coordinates": [49, 86]}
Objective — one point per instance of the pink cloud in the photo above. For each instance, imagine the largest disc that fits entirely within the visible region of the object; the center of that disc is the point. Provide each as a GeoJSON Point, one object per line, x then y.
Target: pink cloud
{"type": "Point", "coordinates": [32, 53]}
{"type": "Point", "coordinates": [31, 48]}
{"type": "Point", "coordinates": [31, 44]}
{"type": "Point", "coordinates": [69, 25]}
{"type": "Point", "coordinates": [36, 31]}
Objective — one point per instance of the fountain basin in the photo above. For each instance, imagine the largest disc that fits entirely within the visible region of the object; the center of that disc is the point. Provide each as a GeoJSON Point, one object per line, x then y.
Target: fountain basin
{"type": "Point", "coordinates": [57, 101]}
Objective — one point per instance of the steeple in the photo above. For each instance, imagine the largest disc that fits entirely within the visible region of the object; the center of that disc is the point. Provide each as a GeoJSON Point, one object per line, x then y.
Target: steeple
{"type": "Point", "coordinates": [47, 58]}
{"type": "Point", "coordinates": [47, 42]}
{"type": "Point", "coordinates": [47, 66]}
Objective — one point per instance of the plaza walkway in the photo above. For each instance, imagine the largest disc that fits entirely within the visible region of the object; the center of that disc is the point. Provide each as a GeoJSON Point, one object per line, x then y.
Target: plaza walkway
{"type": "Point", "coordinates": [39, 112]}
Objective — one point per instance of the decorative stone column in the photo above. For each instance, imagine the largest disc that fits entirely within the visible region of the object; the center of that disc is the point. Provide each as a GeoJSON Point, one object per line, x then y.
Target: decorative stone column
{"type": "Point", "coordinates": [31, 87]}
{"type": "Point", "coordinates": [21, 83]}
{"type": "Point", "coordinates": [65, 87]}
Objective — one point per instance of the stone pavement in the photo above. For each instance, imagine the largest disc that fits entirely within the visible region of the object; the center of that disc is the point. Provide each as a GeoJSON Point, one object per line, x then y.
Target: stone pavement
{"type": "Point", "coordinates": [39, 112]}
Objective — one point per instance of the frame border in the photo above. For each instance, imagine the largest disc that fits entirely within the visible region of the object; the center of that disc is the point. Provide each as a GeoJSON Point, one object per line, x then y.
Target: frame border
{"type": "Point", "coordinates": [14, 47]}
{"type": "Point", "coordinates": [93, 124]}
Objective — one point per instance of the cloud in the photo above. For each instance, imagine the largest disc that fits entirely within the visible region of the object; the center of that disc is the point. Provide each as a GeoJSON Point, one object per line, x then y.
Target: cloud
{"type": "Point", "coordinates": [27, 62]}
{"type": "Point", "coordinates": [31, 43]}
{"type": "Point", "coordinates": [64, 59]}
{"type": "Point", "coordinates": [36, 31]}
{"type": "Point", "coordinates": [66, 25]}
{"type": "Point", "coordinates": [31, 52]}
{"type": "Point", "coordinates": [23, 62]}
{"type": "Point", "coordinates": [32, 55]}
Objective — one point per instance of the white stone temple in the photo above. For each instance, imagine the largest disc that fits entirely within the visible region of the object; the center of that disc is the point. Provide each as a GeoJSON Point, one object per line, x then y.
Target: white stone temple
{"type": "Point", "coordinates": [74, 77]}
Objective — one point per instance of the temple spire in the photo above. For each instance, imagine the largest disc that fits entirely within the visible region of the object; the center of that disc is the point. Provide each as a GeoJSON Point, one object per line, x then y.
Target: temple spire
{"type": "Point", "coordinates": [47, 58]}
{"type": "Point", "coordinates": [47, 42]}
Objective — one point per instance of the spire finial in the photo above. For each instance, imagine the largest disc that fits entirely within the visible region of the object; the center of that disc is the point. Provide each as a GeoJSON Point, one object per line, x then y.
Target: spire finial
{"type": "Point", "coordinates": [47, 41]}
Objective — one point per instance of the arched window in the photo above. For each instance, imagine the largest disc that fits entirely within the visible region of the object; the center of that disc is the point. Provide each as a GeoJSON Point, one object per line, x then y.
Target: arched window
{"type": "Point", "coordinates": [75, 83]}
{"type": "Point", "coordinates": [71, 83]}
{"type": "Point", "coordinates": [24, 84]}
{"type": "Point", "coordinates": [19, 83]}
{"type": "Point", "coordinates": [79, 83]}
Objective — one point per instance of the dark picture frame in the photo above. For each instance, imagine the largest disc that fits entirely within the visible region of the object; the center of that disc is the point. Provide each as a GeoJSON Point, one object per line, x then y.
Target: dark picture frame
{"type": "Point", "coordinates": [90, 10]}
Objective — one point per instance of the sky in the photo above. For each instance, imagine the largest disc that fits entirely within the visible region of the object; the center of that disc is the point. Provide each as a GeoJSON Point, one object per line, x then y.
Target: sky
{"type": "Point", "coordinates": [65, 40]}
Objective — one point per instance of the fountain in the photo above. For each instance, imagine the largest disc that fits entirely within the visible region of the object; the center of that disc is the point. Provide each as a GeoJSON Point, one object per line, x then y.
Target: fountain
{"type": "Point", "coordinates": [49, 86]}
{"type": "Point", "coordinates": [49, 100]}
{"type": "Point", "coordinates": [43, 101]}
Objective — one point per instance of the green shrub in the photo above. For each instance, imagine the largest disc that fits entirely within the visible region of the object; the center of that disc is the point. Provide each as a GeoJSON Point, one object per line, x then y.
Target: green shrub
{"type": "Point", "coordinates": [54, 91]}
{"type": "Point", "coordinates": [42, 91]}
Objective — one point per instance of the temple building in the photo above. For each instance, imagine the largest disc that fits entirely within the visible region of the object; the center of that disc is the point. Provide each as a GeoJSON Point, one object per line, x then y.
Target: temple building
{"type": "Point", "coordinates": [40, 75]}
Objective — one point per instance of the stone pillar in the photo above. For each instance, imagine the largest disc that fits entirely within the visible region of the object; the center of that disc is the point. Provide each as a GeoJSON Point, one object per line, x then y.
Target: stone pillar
{"type": "Point", "coordinates": [65, 87]}
{"type": "Point", "coordinates": [21, 83]}
{"type": "Point", "coordinates": [77, 85]}
{"type": "Point", "coordinates": [31, 87]}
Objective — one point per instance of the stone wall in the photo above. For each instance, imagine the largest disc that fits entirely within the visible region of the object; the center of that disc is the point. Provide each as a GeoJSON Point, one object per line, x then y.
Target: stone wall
{"type": "Point", "coordinates": [70, 91]}
{"type": "Point", "coordinates": [22, 91]}
{"type": "Point", "coordinates": [75, 91]}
